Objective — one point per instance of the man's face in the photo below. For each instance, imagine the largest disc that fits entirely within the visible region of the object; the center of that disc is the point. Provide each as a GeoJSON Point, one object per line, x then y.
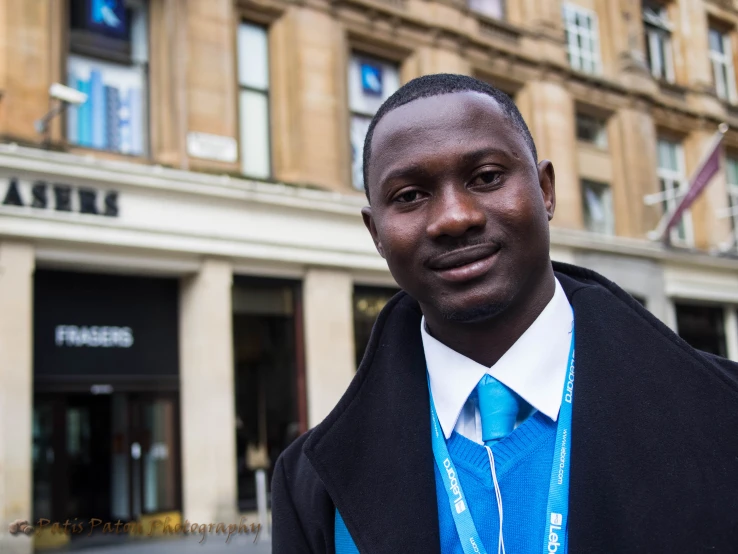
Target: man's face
{"type": "Point", "coordinates": [459, 208]}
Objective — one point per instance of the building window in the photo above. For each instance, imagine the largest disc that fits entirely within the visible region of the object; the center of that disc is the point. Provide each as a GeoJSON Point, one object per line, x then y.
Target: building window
{"type": "Point", "coordinates": [673, 185]}
{"type": "Point", "coordinates": [108, 61]}
{"type": "Point", "coordinates": [370, 83]}
{"type": "Point", "coordinates": [703, 327]}
{"type": "Point", "coordinates": [270, 404]}
{"type": "Point", "coordinates": [592, 130]}
{"type": "Point", "coordinates": [368, 302]}
{"type": "Point", "coordinates": [582, 39]}
{"type": "Point", "coordinates": [253, 100]}
{"type": "Point", "coordinates": [597, 203]}
{"type": "Point", "coordinates": [733, 196]}
{"type": "Point", "coordinates": [490, 8]}
{"type": "Point", "coordinates": [658, 40]}
{"type": "Point", "coordinates": [721, 57]}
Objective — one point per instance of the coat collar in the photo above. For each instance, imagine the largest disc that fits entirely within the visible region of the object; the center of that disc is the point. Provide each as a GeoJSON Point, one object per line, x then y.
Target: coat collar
{"type": "Point", "coordinates": [373, 452]}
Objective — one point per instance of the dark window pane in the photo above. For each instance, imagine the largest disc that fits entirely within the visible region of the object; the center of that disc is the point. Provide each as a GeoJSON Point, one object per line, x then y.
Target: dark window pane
{"type": "Point", "coordinates": [702, 327]}
{"type": "Point", "coordinates": [264, 347]}
{"type": "Point", "coordinates": [368, 302]}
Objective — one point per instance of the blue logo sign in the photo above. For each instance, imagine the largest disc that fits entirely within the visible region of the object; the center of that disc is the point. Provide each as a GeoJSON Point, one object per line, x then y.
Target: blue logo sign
{"type": "Point", "coordinates": [371, 79]}
{"type": "Point", "coordinates": [108, 16]}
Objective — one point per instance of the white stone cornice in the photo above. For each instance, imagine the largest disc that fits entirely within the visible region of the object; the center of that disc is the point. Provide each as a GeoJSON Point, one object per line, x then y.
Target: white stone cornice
{"type": "Point", "coordinates": [122, 173]}
{"type": "Point", "coordinates": [192, 214]}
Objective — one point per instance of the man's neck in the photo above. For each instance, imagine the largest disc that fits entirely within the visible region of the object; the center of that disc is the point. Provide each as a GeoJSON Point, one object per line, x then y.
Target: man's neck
{"type": "Point", "coordinates": [487, 341]}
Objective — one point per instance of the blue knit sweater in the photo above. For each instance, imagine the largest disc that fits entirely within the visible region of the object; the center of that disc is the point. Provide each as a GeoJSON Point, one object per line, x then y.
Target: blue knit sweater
{"type": "Point", "coordinates": [523, 465]}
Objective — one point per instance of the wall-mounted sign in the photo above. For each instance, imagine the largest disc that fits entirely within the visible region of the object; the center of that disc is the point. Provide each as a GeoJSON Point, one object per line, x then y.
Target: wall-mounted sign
{"type": "Point", "coordinates": [107, 16]}
{"type": "Point", "coordinates": [104, 325]}
{"type": "Point", "coordinates": [60, 197]}
{"type": "Point", "coordinates": [93, 336]}
{"type": "Point", "coordinates": [371, 79]}
{"type": "Point", "coordinates": [212, 147]}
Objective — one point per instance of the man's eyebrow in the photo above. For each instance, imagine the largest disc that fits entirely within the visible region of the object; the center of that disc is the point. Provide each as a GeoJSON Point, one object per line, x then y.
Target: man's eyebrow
{"type": "Point", "coordinates": [468, 158]}
{"type": "Point", "coordinates": [414, 170]}
{"type": "Point", "coordinates": [475, 156]}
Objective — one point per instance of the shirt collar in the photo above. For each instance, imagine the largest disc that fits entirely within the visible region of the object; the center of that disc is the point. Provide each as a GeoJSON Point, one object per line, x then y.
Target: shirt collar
{"type": "Point", "coordinates": [534, 367]}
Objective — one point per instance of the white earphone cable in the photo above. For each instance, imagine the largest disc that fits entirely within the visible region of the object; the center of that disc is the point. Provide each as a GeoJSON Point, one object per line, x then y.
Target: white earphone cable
{"type": "Point", "coordinates": [498, 495]}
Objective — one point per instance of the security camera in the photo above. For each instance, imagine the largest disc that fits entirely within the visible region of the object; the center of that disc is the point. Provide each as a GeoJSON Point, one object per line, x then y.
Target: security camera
{"type": "Point", "coordinates": [67, 94]}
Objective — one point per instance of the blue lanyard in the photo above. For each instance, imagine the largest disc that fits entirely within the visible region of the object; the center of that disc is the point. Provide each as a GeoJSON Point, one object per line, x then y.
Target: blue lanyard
{"type": "Point", "coordinates": [558, 492]}
{"type": "Point", "coordinates": [470, 541]}
{"type": "Point", "coordinates": [557, 511]}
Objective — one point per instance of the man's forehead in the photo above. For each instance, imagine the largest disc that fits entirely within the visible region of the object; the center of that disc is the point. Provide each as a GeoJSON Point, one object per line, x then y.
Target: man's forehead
{"type": "Point", "coordinates": [438, 125]}
{"type": "Point", "coordinates": [440, 111]}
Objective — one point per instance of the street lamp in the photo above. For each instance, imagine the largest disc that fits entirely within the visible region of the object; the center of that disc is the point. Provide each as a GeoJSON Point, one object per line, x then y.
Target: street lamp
{"type": "Point", "coordinates": [65, 96]}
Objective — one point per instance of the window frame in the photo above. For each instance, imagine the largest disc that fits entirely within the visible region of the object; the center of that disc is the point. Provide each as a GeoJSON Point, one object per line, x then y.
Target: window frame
{"type": "Point", "coordinates": [502, 5]}
{"type": "Point", "coordinates": [723, 60]}
{"type": "Point", "coordinates": [571, 28]}
{"type": "Point", "coordinates": [593, 124]}
{"type": "Point", "coordinates": [732, 191]}
{"type": "Point", "coordinates": [86, 47]}
{"type": "Point", "coordinates": [601, 187]}
{"type": "Point", "coordinates": [659, 36]}
{"type": "Point", "coordinates": [357, 113]}
{"type": "Point", "coordinates": [674, 184]}
{"type": "Point", "coordinates": [265, 93]}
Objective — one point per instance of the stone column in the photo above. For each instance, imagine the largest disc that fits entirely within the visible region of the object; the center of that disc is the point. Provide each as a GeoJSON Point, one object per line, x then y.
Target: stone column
{"type": "Point", "coordinates": [691, 61]}
{"type": "Point", "coordinates": [632, 138]}
{"type": "Point", "coordinates": [692, 65]}
{"type": "Point", "coordinates": [209, 487]}
{"type": "Point", "coordinates": [211, 77]}
{"type": "Point", "coordinates": [430, 59]}
{"type": "Point", "coordinates": [624, 50]}
{"type": "Point", "coordinates": [25, 66]}
{"type": "Point", "coordinates": [168, 81]}
{"type": "Point", "coordinates": [16, 391]}
{"type": "Point", "coordinates": [329, 339]}
{"type": "Point", "coordinates": [309, 99]}
{"type": "Point", "coordinates": [548, 109]}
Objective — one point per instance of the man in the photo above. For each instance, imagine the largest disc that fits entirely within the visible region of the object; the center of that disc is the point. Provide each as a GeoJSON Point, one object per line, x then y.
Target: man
{"type": "Point", "coordinates": [463, 430]}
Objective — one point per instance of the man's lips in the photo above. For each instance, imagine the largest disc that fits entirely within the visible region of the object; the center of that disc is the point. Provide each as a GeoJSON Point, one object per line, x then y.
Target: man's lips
{"type": "Point", "coordinates": [463, 256]}
{"type": "Point", "coordinates": [464, 264]}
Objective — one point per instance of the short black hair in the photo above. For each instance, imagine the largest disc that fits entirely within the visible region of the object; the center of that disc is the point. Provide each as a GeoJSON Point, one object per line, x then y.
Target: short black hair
{"type": "Point", "coordinates": [436, 85]}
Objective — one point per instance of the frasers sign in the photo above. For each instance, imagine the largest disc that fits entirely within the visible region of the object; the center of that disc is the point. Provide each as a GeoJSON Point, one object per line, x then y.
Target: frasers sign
{"type": "Point", "coordinates": [104, 325]}
{"type": "Point", "coordinates": [95, 337]}
{"type": "Point", "coordinates": [59, 197]}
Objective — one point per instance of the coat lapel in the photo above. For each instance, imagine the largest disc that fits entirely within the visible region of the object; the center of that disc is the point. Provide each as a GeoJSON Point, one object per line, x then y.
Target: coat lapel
{"type": "Point", "coordinates": [373, 453]}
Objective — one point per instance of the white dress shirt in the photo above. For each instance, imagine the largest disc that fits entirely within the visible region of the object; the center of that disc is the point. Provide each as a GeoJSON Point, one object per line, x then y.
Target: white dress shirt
{"type": "Point", "coordinates": [534, 367]}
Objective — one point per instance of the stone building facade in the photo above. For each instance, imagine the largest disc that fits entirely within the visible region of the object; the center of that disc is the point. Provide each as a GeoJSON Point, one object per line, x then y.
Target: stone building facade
{"type": "Point", "coordinates": [185, 281]}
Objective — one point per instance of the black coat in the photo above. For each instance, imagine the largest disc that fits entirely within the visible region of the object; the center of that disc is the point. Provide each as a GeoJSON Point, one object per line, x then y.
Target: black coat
{"type": "Point", "coordinates": [654, 455]}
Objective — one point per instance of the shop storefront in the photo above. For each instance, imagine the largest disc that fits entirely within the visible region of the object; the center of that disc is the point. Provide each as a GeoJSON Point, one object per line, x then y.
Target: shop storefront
{"type": "Point", "coordinates": [106, 396]}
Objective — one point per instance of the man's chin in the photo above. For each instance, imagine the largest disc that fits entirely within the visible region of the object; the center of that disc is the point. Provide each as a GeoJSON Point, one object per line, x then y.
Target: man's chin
{"type": "Point", "coordinates": [473, 314]}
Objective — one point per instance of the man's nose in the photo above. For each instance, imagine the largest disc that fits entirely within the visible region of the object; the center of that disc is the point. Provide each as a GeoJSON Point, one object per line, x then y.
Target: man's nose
{"type": "Point", "coordinates": [454, 213]}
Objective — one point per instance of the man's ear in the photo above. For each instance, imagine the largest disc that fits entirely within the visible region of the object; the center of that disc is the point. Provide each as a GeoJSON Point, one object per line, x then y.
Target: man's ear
{"type": "Point", "coordinates": [366, 214]}
{"type": "Point", "coordinates": [547, 182]}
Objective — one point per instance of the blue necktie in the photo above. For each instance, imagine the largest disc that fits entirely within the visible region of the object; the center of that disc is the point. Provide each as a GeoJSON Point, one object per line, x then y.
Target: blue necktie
{"type": "Point", "coordinates": [498, 408]}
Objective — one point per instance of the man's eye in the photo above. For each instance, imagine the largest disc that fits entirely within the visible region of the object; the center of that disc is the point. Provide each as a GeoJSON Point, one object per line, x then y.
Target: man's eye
{"type": "Point", "coordinates": [487, 178]}
{"type": "Point", "coordinates": [409, 196]}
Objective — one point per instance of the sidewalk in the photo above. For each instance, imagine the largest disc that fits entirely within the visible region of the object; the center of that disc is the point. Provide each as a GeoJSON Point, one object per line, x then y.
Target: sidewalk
{"type": "Point", "coordinates": [189, 545]}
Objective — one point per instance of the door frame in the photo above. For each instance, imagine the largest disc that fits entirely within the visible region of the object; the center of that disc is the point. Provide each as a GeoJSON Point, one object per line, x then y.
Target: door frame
{"type": "Point", "coordinates": [58, 400]}
{"type": "Point", "coordinates": [135, 401]}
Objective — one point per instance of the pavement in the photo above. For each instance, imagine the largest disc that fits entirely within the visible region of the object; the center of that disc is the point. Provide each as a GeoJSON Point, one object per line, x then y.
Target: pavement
{"type": "Point", "coordinates": [188, 545]}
